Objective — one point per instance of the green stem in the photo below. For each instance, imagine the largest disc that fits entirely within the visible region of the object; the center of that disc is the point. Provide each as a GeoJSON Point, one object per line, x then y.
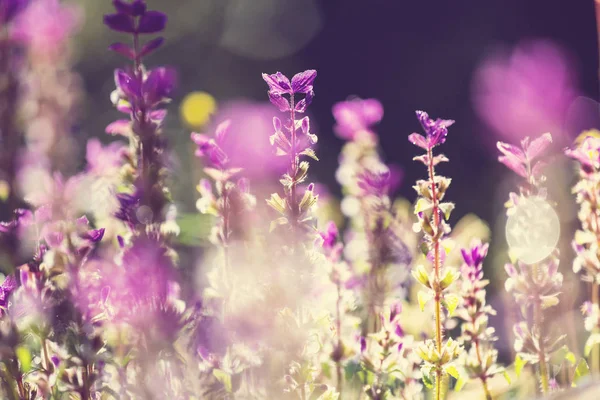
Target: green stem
{"type": "Point", "coordinates": [436, 266]}
{"type": "Point", "coordinates": [538, 320]}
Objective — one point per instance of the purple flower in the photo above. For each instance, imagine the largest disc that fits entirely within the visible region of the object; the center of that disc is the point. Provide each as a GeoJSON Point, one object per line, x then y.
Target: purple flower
{"type": "Point", "coordinates": [46, 25]}
{"type": "Point", "coordinates": [472, 269]}
{"type": "Point", "coordinates": [375, 180]}
{"type": "Point", "coordinates": [8, 286]}
{"type": "Point", "coordinates": [356, 117]}
{"type": "Point", "coordinates": [212, 148]}
{"type": "Point", "coordinates": [330, 235]}
{"type": "Point", "coordinates": [103, 160]}
{"type": "Point", "coordinates": [435, 131]}
{"type": "Point", "coordinates": [9, 9]}
{"type": "Point", "coordinates": [145, 91]}
{"type": "Point", "coordinates": [128, 206]}
{"type": "Point", "coordinates": [587, 154]}
{"type": "Point", "coordinates": [520, 160]}
{"type": "Point", "coordinates": [134, 18]}
{"type": "Point", "coordinates": [280, 85]}
{"type": "Point", "coordinates": [527, 89]}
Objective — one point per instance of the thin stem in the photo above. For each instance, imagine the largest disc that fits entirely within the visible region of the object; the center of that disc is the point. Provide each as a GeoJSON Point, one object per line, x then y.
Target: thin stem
{"type": "Point", "coordinates": [436, 266]}
{"type": "Point", "coordinates": [483, 379]}
{"type": "Point", "coordinates": [338, 320]}
{"type": "Point", "coordinates": [595, 356]}
{"type": "Point", "coordinates": [538, 321]}
{"type": "Point", "coordinates": [293, 168]}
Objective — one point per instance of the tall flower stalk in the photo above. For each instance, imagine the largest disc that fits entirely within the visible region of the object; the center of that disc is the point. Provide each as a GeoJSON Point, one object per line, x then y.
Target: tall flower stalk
{"type": "Point", "coordinates": [438, 353]}
{"type": "Point", "coordinates": [586, 241]}
{"type": "Point", "coordinates": [141, 94]}
{"type": "Point", "coordinates": [480, 361]}
{"type": "Point", "coordinates": [10, 138]}
{"type": "Point", "coordinates": [376, 238]}
{"type": "Point", "coordinates": [534, 281]}
{"type": "Point", "coordinates": [293, 139]}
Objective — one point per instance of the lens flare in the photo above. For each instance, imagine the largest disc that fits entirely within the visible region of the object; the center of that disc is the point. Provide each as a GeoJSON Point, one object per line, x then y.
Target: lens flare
{"type": "Point", "coordinates": [532, 230]}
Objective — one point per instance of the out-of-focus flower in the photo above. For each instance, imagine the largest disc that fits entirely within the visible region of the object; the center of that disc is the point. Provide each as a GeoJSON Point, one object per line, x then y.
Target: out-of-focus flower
{"type": "Point", "coordinates": [356, 117]}
{"type": "Point", "coordinates": [142, 92]}
{"type": "Point", "coordinates": [9, 9]}
{"type": "Point", "coordinates": [524, 161]}
{"type": "Point", "coordinates": [104, 160]}
{"type": "Point", "coordinates": [6, 289]}
{"type": "Point", "coordinates": [528, 89]}
{"type": "Point", "coordinates": [46, 25]}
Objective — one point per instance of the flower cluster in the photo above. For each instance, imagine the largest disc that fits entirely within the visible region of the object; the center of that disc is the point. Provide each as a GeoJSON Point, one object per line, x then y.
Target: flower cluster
{"type": "Point", "coordinates": [585, 243]}
{"type": "Point", "coordinates": [376, 238]}
{"type": "Point", "coordinates": [141, 93]}
{"type": "Point", "coordinates": [535, 281]}
{"type": "Point", "coordinates": [390, 360]}
{"type": "Point", "coordinates": [438, 355]}
{"type": "Point", "coordinates": [481, 359]}
{"type": "Point", "coordinates": [293, 139]}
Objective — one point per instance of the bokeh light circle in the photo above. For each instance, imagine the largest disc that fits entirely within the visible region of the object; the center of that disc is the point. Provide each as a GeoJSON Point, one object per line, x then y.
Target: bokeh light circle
{"type": "Point", "coordinates": [197, 108]}
{"type": "Point", "coordinates": [532, 230]}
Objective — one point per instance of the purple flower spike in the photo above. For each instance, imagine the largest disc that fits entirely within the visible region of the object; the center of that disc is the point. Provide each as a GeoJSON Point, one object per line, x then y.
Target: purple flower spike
{"type": "Point", "coordinates": [436, 131]}
{"type": "Point", "coordinates": [10, 8]}
{"type": "Point", "coordinates": [302, 82]}
{"type": "Point", "coordinates": [521, 160]}
{"type": "Point", "coordinates": [330, 235]}
{"type": "Point", "coordinates": [375, 180]}
{"type": "Point", "coordinates": [356, 116]}
{"type": "Point", "coordinates": [8, 286]}
{"type": "Point", "coordinates": [280, 85]}
{"type": "Point", "coordinates": [134, 18]}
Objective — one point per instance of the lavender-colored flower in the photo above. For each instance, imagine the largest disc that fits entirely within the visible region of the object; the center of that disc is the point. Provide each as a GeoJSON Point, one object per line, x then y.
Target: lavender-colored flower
{"type": "Point", "coordinates": [8, 286]}
{"type": "Point", "coordinates": [144, 91]}
{"type": "Point", "coordinates": [9, 9]}
{"type": "Point", "coordinates": [587, 154]}
{"type": "Point", "coordinates": [521, 160]}
{"type": "Point", "coordinates": [280, 85]}
{"type": "Point", "coordinates": [435, 130]}
{"type": "Point", "coordinates": [135, 18]}
{"type": "Point", "coordinates": [512, 94]}
{"type": "Point", "coordinates": [46, 25]}
{"type": "Point", "coordinates": [356, 117]}
{"type": "Point", "coordinates": [103, 160]}
{"type": "Point", "coordinates": [375, 180]}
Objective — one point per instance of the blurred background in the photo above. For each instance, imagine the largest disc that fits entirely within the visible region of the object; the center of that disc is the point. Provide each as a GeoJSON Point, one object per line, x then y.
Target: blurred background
{"type": "Point", "coordinates": [502, 69]}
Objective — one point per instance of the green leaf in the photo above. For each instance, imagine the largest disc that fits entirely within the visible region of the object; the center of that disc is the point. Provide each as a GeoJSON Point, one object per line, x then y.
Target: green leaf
{"type": "Point", "coordinates": [549, 301]}
{"type": "Point", "coordinates": [507, 377]}
{"type": "Point", "coordinates": [451, 300]}
{"type": "Point", "coordinates": [24, 357]}
{"type": "Point", "coordinates": [422, 205]}
{"type": "Point", "coordinates": [428, 381]}
{"type": "Point", "coordinates": [592, 341]}
{"type": "Point", "coordinates": [277, 203]}
{"type": "Point", "coordinates": [277, 222]}
{"type": "Point", "coordinates": [581, 371]}
{"type": "Point", "coordinates": [447, 209]}
{"type": "Point", "coordinates": [310, 153]}
{"type": "Point", "coordinates": [519, 364]}
{"type": "Point", "coordinates": [423, 298]}
{"type": "Point", "coordinates": [224, 378]}
{"type": "Point", "coordinates": [193, 228]}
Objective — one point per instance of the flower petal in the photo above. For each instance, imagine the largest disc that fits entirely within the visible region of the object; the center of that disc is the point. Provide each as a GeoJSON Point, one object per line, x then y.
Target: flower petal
{"type": "Point", "coordinates": [152, 22]}
{"type": "Point", "coordinates": [302, 82]}
{"type": "Point", "coordinates": [119, 23]}
{"type": "Point", "coordinates": [538, 146]}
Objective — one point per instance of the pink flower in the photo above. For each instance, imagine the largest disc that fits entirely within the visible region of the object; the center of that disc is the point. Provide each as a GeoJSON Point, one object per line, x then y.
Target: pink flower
{"type": "Point", "coordinates": [46, 25]}
{"type": "Point", "coordinates": [525, 91]}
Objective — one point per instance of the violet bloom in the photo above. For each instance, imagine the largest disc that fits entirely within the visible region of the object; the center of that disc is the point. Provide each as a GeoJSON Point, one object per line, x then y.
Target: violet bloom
{"type": "Point", "coordinates": [587, 154]}
{"type": "Point", "coordinates": [435, 130]}
{"type": "Point", "coordinates": [280, 85]}
{"type": "Point", "coordinates": [528, 89]}
{"type": "Point", "coordinates": [375, 180]}
{"type": "Point", "coordinates": [521, 160]}
{"type": "Point", "coordinates": [473, 257]}
{"type": "Point", "coordinates": [9, 9]}
{"type": "Point", "coordinates": [46, 25]}
{"type": "Point", "coordinates": [135, 18]}
{"type": "Point", "coordinates": [356, 117]}
{"type": "Point", "coordinates": [212, 148]}
{"type": "Point", "coordinates": [8, 286]}
{"type": "Point", "coordinates": [102, 160]}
